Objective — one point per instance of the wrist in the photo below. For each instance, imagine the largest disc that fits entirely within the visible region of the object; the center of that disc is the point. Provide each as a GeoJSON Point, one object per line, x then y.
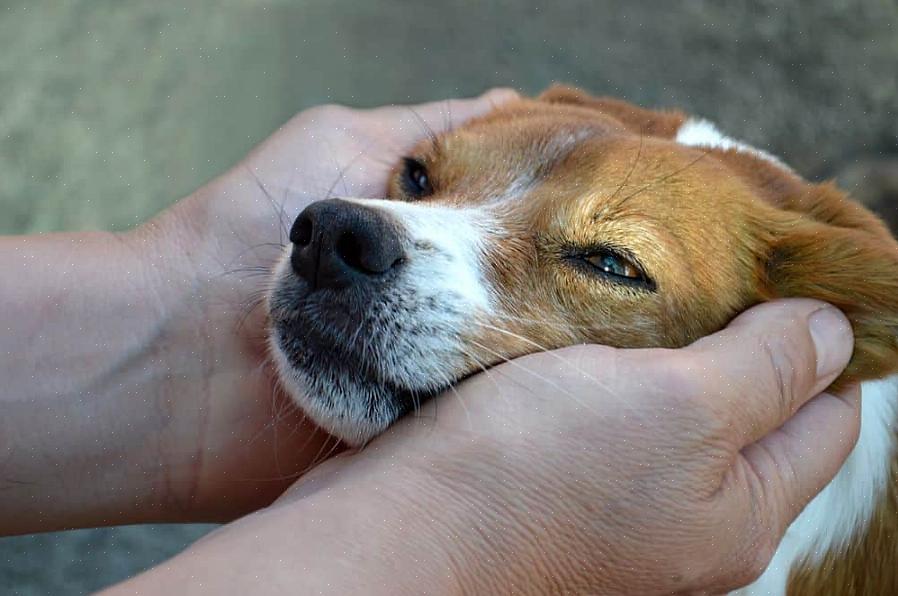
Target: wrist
{"type": "Point", "coordinates": [91, 319]}
{"type": "Point", "coordinates": [196, 354]}
{"type": "Point", "coordinates": [233, 441]}
{"type": "Point", "coordinates": [432, 506]}
{"type": "Point", "coordinates": [343, 530]}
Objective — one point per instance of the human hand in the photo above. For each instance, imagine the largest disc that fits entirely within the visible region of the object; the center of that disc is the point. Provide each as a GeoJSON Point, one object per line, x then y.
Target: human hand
{"type": "Point", "coordinates": [232, 442]}
{"type": "Point", "coordinates": [584, 470]}
{"type": "Point", "coordinates": [594, 470]}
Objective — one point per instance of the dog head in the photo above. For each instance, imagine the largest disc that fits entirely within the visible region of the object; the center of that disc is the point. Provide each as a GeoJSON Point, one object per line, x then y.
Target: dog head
{"type": "Point", "coordinates": [554, 221]}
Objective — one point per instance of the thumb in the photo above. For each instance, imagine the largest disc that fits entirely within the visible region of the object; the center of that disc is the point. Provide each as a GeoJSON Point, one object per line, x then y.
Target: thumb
{"type": "Point", "coordinates": [770, 361]}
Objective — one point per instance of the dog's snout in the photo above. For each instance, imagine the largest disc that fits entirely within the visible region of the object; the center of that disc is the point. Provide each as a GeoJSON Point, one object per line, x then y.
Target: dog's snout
{"type": "Point", "coordinates": [338, 243]}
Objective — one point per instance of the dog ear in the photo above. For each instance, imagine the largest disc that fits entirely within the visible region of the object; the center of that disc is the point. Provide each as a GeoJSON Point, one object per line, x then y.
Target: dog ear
{"type": "Point", "coordinates": [830, 248]}
{"type": "Point", "coordinates": [656, 123]}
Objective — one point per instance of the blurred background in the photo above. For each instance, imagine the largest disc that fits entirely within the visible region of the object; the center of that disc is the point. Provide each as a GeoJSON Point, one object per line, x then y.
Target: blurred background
{"type": "Point", "coordinates": [112, 110]}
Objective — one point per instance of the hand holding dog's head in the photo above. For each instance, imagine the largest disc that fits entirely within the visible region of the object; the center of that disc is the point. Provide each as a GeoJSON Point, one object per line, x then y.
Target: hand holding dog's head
{"type": "Point", "coordinates": [562, 220]}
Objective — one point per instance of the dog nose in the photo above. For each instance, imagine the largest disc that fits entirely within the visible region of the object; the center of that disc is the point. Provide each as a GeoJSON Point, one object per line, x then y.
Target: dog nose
{"type": "Point", "coordinates": [339, 243]}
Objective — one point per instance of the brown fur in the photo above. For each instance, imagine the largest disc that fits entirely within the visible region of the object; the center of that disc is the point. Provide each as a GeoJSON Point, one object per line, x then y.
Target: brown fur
{"type": "Point", "coordinates": [717, 231]}
{"type": "Point", "coordinates": [868, 567]}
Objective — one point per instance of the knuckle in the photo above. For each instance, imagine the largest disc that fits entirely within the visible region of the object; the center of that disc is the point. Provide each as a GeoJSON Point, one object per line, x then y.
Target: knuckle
{"type": "Point", "coordinates": [327, 112]}
{"type": "Point", "coordinates": [788, 369]}
{"type": "Point", "coordinates": [778, 380]}
{"type": "Point", "coordinates": [679, 373]}
{"type": "Point", "coordinates": [750, 567]}
{"type": "Point", "coordinates": [765, 549]}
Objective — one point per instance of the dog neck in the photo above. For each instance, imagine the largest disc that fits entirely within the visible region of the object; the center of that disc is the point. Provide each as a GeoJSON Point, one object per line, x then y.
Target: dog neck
{"type": "Point", "coordinates": [844, 540]}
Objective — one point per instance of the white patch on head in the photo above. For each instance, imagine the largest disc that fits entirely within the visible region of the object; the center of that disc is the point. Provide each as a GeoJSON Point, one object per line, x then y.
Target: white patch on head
{"type": "Point", "coordinates": [515, 191]}
{"type": "Point", "coordinates": [560, 144]}
{"type": "Point", "coordinates": [554, 148]}
{"type": "Point", "coordinates": [842, 511]}
{"type": "Point", "coordinates": [697, 132]}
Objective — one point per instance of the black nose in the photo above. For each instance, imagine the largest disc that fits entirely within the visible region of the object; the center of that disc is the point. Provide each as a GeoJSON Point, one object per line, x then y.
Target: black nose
{"type": "Point", "coordinates": [338, 243]}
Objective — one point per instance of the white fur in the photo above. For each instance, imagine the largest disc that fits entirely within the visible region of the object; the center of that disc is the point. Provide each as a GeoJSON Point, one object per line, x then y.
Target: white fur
{"type": "Point", "coordinates": [555, 148]}
{"type": "Point", "coordinates": [697, 132]}
{"type": "Point", "coordinates": [844, 508]}
{"type": "Point", "coordinates": [515, 191]}
{"type": "Point", "coordinates": [447, 248]}
{"type": "Point", "coordinates": [442, 289]}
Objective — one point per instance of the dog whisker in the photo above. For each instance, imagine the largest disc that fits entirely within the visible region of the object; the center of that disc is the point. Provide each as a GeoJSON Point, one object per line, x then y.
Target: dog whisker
{"type": "Point", "coordinates": [544, 350]}
{"type": "Point", "coordinates": [664, 178]}
{"type": "Point", "coordinates": [632, 166]}
{"type": "Point", "coordinates": [486, 372]}
{"type": "Point", "coordinates": [538, 376]}
{"type": "Point", "coordinates": [434, 139]}
{"type": "Point", "coordinates": [278, 209]}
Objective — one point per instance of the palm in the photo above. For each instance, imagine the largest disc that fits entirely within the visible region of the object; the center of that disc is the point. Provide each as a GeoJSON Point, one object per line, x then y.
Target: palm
{"type": "Point", "coordinates": [254, 441]}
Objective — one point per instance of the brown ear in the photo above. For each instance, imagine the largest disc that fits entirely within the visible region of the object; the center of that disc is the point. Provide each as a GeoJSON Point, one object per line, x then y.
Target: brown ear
{"type": "Point", "coordinates": [656, 123]}
{"type": "Point", "coordinates": [837, 252]}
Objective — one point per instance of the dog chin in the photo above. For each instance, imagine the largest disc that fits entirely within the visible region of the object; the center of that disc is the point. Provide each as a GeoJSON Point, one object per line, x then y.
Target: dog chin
{"type": "Point", "coordinates": [338, 395]}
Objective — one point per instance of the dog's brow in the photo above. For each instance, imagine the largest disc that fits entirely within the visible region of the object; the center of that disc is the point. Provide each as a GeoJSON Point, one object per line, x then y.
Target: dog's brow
{"type": "Point", "coordinates": [557, 147]}
{"type": "Point", "coordinates": [652, 183]}
{"type": "Point", "coordinates": [566, 140]}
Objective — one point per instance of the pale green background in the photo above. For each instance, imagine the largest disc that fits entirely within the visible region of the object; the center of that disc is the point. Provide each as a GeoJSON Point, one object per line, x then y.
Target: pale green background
{"type": "Point", "coordinates": [111, 110]}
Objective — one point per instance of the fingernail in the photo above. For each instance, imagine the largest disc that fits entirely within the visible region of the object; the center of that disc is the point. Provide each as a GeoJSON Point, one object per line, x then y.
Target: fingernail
{"type": "Point", "coordinates": [833, 340]}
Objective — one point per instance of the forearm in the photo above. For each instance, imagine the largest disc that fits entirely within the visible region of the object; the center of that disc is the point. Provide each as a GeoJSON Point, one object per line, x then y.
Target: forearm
{"type": "Point", "coordinates": [413, 515]}
{"type": "Point", "coordinates": [82, 378]}
{"type": "Point", "coordinates": [343, 535]}
{"type": "Point", "coordinates": [133, 379]}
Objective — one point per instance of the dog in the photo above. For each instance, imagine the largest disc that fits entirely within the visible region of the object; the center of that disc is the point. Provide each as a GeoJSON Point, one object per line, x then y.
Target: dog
{"type": "Point", "coordinates": [567, 219]}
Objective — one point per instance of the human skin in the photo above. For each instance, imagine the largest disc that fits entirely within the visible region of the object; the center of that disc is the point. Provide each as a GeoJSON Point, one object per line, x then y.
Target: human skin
{"type": "Point", "coordinates": [135, 385]}
{"type": "Point", "coordinates": [135, 390]}
{"type": "Point", "coordinates": [591, 470]}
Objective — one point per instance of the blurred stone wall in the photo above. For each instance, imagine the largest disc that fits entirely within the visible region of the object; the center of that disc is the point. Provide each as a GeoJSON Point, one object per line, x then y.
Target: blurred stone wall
{"type": "Point", "coordinates": [111, 110]}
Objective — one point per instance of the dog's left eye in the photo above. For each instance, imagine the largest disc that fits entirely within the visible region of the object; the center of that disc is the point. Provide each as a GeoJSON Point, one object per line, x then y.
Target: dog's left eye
{"type": "Point", "coordinates": [613, 264]}
{"type": "Point", "coordinates": [415, 179]}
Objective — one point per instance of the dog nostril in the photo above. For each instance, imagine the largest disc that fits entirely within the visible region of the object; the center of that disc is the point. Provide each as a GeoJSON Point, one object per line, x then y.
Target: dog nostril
{"type": "Point", "coordinates": [368, 252]}
{"type": "Point", "coordinates": [301, 234]}
{"type": "Point", "coordinates": [349, 249]}
{"type": "Point", "coordinates": [337, 244]}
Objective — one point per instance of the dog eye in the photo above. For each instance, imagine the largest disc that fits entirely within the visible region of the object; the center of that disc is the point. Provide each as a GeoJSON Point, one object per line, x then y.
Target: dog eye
{"type": "Point", "coordinates": [415, 180]}
{"type": "Point", "coordinates": [611, 263]}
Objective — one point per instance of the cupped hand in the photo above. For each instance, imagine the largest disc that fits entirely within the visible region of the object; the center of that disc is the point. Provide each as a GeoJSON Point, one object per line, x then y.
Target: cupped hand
{"type": "Point", "coordinates": [233, 442]}
{"type": "Point", "coordinates": [587, 470]}
{"type": "Point", "coordinates": [596, 470]}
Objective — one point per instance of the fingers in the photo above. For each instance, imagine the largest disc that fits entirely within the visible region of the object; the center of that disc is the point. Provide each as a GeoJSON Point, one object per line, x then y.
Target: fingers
{"type": "Point", "coordinates": [411, 124]}
{"type": "Point", "coordinates": [770, 360]}
{"type": "Point", "coordinates": [441, 116]}
{"type": "Point", "coordinates": [795, 462]}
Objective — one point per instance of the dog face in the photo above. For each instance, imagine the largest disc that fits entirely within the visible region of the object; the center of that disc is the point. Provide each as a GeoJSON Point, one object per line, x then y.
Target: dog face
{"type": "Point", "coordinates": [551, 222]}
